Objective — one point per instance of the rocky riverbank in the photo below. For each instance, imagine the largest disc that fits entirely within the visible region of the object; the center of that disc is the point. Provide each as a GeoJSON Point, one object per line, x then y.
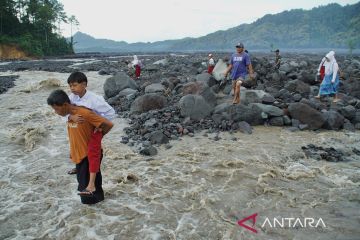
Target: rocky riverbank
{"type": "Point", "coordinates": [175, 96]}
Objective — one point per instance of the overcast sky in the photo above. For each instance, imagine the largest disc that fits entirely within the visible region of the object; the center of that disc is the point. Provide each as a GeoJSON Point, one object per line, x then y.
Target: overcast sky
{"type": "Point", "coordinates": [156, 20]}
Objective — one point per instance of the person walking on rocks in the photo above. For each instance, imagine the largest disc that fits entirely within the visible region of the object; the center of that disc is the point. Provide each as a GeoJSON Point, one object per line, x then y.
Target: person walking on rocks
{"type": "Point", "coordinates": [211, 63]}
{"type": "Point", "coordinates": [277, 59]}
{"type": "Point", "coordinates": [240, 66]}
{"type": "Point", "coordinates": [137, 65]}
{"type": "Point", "coordinates": [330, 83]}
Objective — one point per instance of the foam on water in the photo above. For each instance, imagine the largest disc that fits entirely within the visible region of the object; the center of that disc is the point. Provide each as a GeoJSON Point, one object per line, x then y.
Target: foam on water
{"type": "Point", "coordinates": [198, 189]}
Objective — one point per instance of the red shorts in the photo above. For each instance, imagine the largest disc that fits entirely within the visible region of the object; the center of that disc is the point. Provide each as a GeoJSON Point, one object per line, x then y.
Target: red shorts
{"type": "Point", "coordinates": [94, 151]}
{"type": "Point", "coordinates": [137, 71]}
{"type": "Point", "coordinates": [210, 69]}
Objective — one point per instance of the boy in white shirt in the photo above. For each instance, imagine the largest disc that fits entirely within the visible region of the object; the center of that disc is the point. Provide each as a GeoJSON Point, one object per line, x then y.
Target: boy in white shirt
{"type": "Point", "coordinates": [81, 97]}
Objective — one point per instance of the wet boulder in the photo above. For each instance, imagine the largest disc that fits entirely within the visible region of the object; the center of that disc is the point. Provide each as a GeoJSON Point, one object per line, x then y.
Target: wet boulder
{"type": "Point", "coordinates": [250, 114]}
{"type": "Point", "coordinates": [307, 115]}
{"type": "Point", "coordinates": [333, 120]}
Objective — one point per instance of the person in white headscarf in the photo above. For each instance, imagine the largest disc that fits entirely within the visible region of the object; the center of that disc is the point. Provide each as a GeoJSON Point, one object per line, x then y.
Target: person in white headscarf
{"type": "Point", "coordinates": [330, 83]}
{"type": "Point", "coordinates": [137, 65]}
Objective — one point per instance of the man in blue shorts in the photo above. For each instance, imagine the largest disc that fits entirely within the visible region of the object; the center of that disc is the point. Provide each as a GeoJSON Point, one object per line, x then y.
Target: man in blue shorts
{"type": "Point", "coordinates": [240, 66]}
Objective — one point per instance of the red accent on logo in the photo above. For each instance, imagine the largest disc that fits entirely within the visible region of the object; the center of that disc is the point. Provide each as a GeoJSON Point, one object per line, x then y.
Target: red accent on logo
{"type": "Point", "coordinates": [253, 217]}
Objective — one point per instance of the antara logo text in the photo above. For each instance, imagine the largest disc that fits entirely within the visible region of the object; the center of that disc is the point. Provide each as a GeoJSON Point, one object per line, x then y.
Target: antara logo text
{"type": "Point", "coordinates": [282, 222]}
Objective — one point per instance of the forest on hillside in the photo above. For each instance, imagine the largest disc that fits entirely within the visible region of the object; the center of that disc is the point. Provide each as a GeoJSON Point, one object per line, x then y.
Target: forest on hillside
{"type": "Point", "coordinates": [34, 26]}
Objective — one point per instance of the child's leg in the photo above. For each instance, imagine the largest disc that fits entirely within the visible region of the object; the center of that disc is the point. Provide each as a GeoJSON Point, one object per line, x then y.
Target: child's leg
{"type": "Point", "coordinates": [94, 155]}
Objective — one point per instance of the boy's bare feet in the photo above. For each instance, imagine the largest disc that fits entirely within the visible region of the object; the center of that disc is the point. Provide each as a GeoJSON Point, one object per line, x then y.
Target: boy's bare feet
{"type": "Point", "coordinates": [317, 97]}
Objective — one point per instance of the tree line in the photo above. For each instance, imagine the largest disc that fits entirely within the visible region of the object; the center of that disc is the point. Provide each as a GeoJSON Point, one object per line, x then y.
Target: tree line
{"type": "Point", "coordinates": [34, 25]}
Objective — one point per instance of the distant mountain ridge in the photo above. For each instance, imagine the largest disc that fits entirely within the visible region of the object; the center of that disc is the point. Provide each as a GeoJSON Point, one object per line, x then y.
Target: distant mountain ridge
{"type": "Point", "coordinates": [325, 26]}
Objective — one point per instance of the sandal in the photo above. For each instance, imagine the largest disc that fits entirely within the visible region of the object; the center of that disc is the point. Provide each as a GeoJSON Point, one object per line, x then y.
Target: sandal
{"type": "Point", "coordinates": [72, 171]}
{"type": "Point", "coordinates": [86, 193]}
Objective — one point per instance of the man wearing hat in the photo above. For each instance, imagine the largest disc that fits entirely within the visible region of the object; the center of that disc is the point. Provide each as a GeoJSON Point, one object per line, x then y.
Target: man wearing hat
{"type": "Point", "coordinates": [240, 66]}
{"type": "Point", "coordinates": [211, 63]}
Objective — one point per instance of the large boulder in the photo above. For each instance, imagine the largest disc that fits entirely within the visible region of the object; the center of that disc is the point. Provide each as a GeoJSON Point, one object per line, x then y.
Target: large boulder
{"type": "Point", "coordinates": [348, 112]}
{"type": "Point", "coordinates": [306, 115]}
{"type": "Point", "coordinates": [297, 86]}
{"type": "Point", "coordinates": [194, 106]}
{"type": "Point", "coordinates": [252, 96]}
{"type": "Point", "coordinates": [250, 114]}
{"type": "Point", "coordinates": [206, 78]}
{"type": "Point", "coordinates": [115, 84]}
{"type": "Point", "coordinates": [333, 120]}
{"type": "Point", "coordinates": [148, 102]}
{"type": "Point", "coordinates": [270, 110]}
{"type": "Point", "coordinates": [202, 89]}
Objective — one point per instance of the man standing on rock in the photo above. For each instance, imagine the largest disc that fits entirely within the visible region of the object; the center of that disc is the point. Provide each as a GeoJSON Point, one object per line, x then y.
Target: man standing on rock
{"type": "Point", "coordinates": [240, 65]}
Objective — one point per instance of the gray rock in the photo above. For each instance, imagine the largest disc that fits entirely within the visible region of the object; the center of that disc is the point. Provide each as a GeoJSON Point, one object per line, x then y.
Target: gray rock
{"type": "Point", "coordinates": [276, 121]}
{"type": "Point", "coordinates": [348, 112]}
{"type": "Point", "coordinates": [155, 88]}
{"type": "Point", "coordinates": [148, 151]}
{"type": "Point", "coordinates": [158, 137]}
{"type": "Point", "coordinates": [307, 115]}
{"type": "Point", "coordinates": [333, 120]}
{"type": "Point", "coordinates": [252, 96]}
{"type": "Point", "coordinates": [349, 126]}
{"type": "Point", "coordinates": [200, 88]}
{"type": "Point", "coordinates": [222, 107]}
{"type": "Point", "coordinates": [194, 106]}
{"type": "Point", "coordinates": [150, 123]}
{"type": "Point", "coordinates": [127, 92]}
{"type": "Point", "coordinates": [297, 97]}
{"type": "Point", "coordinates": [269, 109]}
{"type": "Point", "coordinates": [287, 120]}
{"type": "Point", "coordinates": [297, 86]}
{"type": "Point", "coordinates": [268, 99]}
{"type": "Point", "coordinates": [295, 123]}
{"type": "Point", "coordinates": [117, 83]}
{"type": "Point", "coordinates": [250, 114]}
{"type": "Point", "coordinates": [206, 78]}
{"type": "Point", "coordinates": [148, 102]}
{"type": "Point", "coordinates": [244, 127]}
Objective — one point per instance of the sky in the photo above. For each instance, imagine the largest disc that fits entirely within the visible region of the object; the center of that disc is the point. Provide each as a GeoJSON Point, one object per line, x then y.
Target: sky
{"type": "Point", "coordinates": [157, 20]}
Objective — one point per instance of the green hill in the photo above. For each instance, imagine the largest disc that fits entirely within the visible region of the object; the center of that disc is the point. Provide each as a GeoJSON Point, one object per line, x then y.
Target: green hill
{"type": "Point", "coordinates": [321, 27]}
